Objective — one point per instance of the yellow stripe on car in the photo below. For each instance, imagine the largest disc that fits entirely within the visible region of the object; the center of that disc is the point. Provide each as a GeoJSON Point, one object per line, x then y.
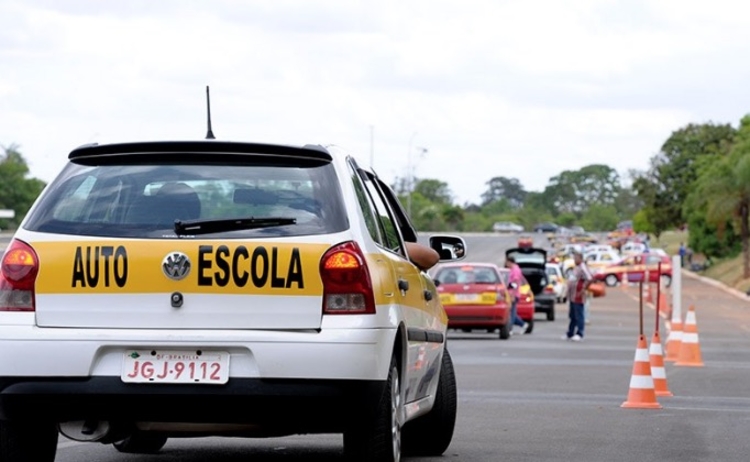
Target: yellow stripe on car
{"type": "Point", "coordinates": [142, 267]}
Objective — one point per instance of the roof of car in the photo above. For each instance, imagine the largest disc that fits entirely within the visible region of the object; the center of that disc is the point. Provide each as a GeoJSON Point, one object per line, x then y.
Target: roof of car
{"type": "Point", "coordinates": [200, 147]}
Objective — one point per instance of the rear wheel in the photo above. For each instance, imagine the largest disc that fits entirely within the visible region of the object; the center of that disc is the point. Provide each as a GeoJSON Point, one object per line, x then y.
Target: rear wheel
{"type": "Point", "coordinates": [666, 280]}
{"type": "Point", "coordinates": [27, 441]}
{"type": "Point", "coordinates": [431, 434]}
{"type": "Point", "coordinates": [141, 443]}
{"type": "Point", "coordinates": [379, 440]}
{"type": "Point", "coordinates": [504, 332]}
{"type": "Point", "coordinates": [551, 314]}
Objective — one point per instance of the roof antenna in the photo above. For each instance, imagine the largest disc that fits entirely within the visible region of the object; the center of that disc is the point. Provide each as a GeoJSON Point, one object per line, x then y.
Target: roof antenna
{"type": "Point", "coordinates": [210, 133]}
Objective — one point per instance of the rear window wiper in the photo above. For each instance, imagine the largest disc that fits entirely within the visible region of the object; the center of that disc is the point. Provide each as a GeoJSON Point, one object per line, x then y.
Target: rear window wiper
{"type": "Point", "coordinates": [230, 224]}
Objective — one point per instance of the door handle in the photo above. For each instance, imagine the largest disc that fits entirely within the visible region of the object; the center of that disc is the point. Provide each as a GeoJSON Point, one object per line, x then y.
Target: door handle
{"type": "Point", "coordinates": [427, 295]}
{"type": "Point", "coordinates": [403, 285]}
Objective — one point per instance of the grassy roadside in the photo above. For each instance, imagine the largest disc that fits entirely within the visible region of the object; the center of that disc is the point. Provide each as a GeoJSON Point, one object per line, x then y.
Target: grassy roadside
{"type": "Point", "coordinates": [728, 271]}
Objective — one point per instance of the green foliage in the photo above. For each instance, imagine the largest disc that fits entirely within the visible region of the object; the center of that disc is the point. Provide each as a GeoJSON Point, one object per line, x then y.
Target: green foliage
{"type": "Point", "coordinates": [567, 219]}
{"type": "Point", "coordinates": [721, 199]}
{"type": "Point", "coordinates": [453, 215]}
{"type": "Point", "coordinates": [641, 223]}
{"type": "Point", "coordinates": [501, 188]}
{"type": "Point", "coordinates": [670, 179]}
{"type": "Point", "coordinates": [600, 217]}
{"type": "Point", "coordinates": [712, 240]}
{"type": "Point", "coordinates": [497, 207]}
{"type": "Point", "coordinates": [17, 192]}
{"type": "Point", "coordinates": [475, 221]}
{"type": "Point", "coordinates": [576, 190]}
{"type": "Point", "coordinates": [433, 190]}
{"type": "Point", "coordinates": [540, 205]}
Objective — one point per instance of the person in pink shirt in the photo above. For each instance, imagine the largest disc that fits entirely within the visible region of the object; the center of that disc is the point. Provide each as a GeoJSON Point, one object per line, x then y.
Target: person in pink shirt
{"type": "Point", "coordinates": [515, 281]}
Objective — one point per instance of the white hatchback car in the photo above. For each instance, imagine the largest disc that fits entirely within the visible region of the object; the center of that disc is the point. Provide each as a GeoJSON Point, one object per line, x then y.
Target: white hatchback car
{"type": "Point", "coordinates": [179, 289]}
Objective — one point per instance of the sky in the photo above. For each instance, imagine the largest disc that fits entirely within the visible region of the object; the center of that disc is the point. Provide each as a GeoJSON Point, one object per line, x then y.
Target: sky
{"type": "Point", "coordinates": [456, 91]}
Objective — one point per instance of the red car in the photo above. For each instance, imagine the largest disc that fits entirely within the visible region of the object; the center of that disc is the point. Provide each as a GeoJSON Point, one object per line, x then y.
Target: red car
{"type": "Point", "coordinates": [635, 266]}
{"type": "Point", "coordinates": [526, 305]}
{"type": "Point", "coordinates": [474, 296]}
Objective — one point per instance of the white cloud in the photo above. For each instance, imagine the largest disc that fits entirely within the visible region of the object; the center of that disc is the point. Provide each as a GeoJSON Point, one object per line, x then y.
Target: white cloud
{"type": "Point", "coordinates": [522, 89]}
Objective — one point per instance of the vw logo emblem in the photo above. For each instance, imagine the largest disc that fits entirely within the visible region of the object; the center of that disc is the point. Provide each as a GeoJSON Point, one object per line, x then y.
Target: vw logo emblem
{"type": "Point", "coordinates": [176, 265]}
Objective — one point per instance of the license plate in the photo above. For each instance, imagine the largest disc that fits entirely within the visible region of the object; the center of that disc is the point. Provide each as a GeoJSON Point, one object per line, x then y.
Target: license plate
{"type": "Point", "coordinates": [467, 297]}
{"type": "Point", "coordinates": [175, 366]}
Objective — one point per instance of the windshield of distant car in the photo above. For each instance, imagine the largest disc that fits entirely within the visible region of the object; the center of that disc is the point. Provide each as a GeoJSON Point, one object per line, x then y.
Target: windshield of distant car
{"type": "Point", "coordinates": [145, 200]}
{"type": "Point", "coordinates": [532, 257]}
{"type": "Point", "coordinates": [467, 275]}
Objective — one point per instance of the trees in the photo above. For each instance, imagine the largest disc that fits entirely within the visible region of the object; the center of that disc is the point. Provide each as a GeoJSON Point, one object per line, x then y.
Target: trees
{"type": "Point", "coordinates": [723, 191]}
{"type": "Point", "coordinates": [667, 183]}
{"type": "Point", "coordinates": [502, 188]}
{"type": "Point", "coordinates": [16, 191]}
{"type": "Point", "coordinates": [577, 190]}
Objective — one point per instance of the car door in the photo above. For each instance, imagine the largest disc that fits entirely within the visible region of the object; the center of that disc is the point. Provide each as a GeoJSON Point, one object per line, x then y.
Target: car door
{"type": "Point", "coordinates": [431, 321]}
{"type": "Point", "coordinates": [415, 293]}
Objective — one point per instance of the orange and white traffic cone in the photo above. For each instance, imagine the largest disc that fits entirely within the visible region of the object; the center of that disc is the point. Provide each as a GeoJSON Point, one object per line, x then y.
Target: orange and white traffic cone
{"type": "Point", "coordinates": [624, 280]}
{"type": "Point", "coordinates": [642, 394]}
{"type": "Point", "coordinates": [658, 372]}
{"type": "Point", "coordinates": [674, 339]}
{"type": "Point", "coordinates": [690, 350]}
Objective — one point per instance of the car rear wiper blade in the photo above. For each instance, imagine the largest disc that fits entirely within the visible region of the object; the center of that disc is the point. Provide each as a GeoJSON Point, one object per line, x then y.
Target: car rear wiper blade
{"type": "Point", "coordinates": [231, 224]}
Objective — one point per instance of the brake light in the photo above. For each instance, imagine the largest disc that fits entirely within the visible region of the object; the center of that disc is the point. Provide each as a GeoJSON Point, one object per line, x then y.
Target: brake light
{"type": "Point", "coordinates": [549, 290]}
{"type": "Point", "coordinates": [347, 286]}
{"type": "Point", "coordinates": [18, 271]}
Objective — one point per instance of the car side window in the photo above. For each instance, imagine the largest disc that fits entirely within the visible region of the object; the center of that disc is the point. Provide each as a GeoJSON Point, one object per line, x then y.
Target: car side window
{"type": "Point", "coordinates": [365, 204]}
{"type": "Point", "coordinates": [391, 239]}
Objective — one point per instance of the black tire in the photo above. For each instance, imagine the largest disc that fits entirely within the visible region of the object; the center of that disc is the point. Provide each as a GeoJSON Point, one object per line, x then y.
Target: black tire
{"type": "Point", "coordinates": [141, 443]}
{"type": "Point", "coordinates": [468, 331]}
{"type": "Point", "coordinates": [379, 440]}
{"type": "Point", "coordinates": [551, 314]}
{"type": "Point", "coordinates": [530, 327]}
{"type": "Point", "coordinates": [666, 280]}
{"type": "Point", "coordinates": [431, 434]}
{"type": "Point", "coordinates": [504, 332]}
{"type": "Point", "coordinates": [27, 441]}
{"type": "Point", "coordinates": [611, 280]}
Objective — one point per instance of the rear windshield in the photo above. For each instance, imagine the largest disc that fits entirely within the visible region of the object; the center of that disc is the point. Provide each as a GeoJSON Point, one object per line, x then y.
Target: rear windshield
{"type": "Point", "coordinates": [532, 257]}
{"type": "Point", "coordinates": [468, 275]}
{"type": "Point", "coordinates": [145, 200]}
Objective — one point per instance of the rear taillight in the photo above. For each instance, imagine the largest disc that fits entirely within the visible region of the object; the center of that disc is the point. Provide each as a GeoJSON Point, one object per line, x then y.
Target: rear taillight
{"type": "Point", "coordinates": [347, 287]}
{"type": "Point", "coordinates": [549, 290]}
{"type": "Point", "coordinates": [18, 272]}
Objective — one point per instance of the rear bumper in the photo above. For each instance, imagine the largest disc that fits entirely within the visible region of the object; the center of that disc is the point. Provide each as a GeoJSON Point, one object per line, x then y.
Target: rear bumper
{"type": "Point", "coordinates": [525, 311]}
{"type": "Point", "coordinates": [544, 303]}
{"type": "Point", "coordinates": [468, 316]}
{"type": "Point", "coordinates": [274, 405]}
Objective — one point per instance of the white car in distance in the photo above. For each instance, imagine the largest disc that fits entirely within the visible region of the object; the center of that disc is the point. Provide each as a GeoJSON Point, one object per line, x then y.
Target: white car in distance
{"type": "Point", "coordinates": [507, 227]}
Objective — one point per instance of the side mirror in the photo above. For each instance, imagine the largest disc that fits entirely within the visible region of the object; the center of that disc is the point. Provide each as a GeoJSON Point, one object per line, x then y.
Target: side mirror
{"type": "Point", "coordinates": [450, 248]}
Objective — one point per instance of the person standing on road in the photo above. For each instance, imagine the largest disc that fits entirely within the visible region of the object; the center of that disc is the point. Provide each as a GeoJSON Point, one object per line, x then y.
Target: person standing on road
{"type": "Point", "coordinates": [578, 283]}
{"type": "Point", "coordinates": [515, 281]}
{"type": "Point", "coordinates": [682, 251]}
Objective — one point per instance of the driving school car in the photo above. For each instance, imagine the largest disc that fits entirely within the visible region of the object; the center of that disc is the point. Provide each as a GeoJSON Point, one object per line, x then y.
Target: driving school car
{"type": "Point", "coordinates": [646, 267]}
{"type": "Point", "coordinates": [178, 289]}
{"type": "Point", "coordinates": [475, 297]}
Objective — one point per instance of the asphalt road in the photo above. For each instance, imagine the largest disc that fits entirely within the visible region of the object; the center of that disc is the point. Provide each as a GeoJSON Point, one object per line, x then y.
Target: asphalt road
{"type": "Point", "coordinates": [539, 398]}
